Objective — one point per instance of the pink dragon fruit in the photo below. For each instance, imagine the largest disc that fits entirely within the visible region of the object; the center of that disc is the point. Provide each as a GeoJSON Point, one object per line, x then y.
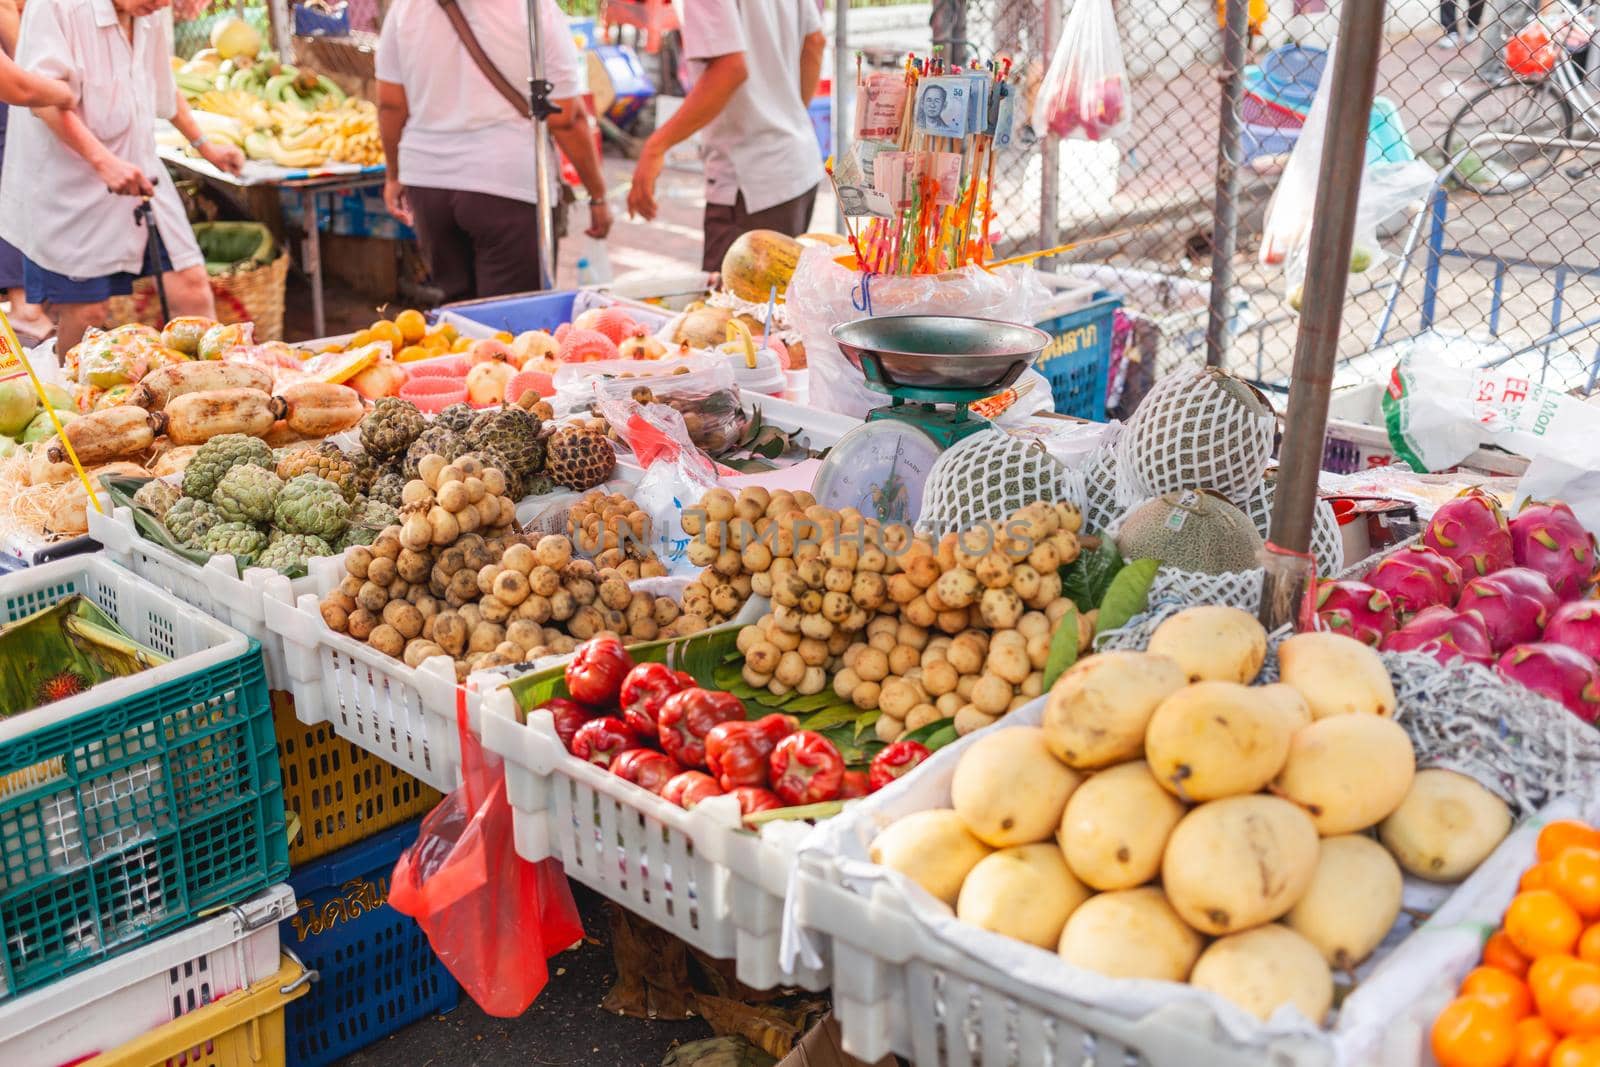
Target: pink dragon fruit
{"type": "Point", "coordinates": [1527, 582]}
{"type": "Point", "coordinates": [1576, 624]}
{"type": "Point", "coordinates": [1550, 539]}
{"type": "Point", "coordinates": [1417, 578]}
{"type": "Point", "coordinates": [1563, 674]}
{"type": "Point", "coordinates": [1356, 610]}
{"type": "Point", "coordinates": [1512, 613]}
{"type": "Point", "coordinates": [1444, 635]}
{"type": "Point", "coordinates": [1471, 529]}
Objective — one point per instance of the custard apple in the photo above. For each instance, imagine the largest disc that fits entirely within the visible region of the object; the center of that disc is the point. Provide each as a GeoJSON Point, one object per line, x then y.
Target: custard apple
{"type": "Point", "coordinates": [456, 417]}
{"type": "Point", "coordinates": [218, 456]}
{"type": "Point", "coordinates": [326, 461]}
{"type": "Point", "coordinates": [157, 497]}
{"type": "Point", "coordinates": [387, 488]}
{"type": "Point", "coordinates": [190, 519]}
{"type": "Point", "coordinates": [580, 458]}
{"type": "Point", "coordinates": [368, 518]}
{"type": "Point", "coordinates": [390, 427]}
{"type": "Point", "coordinates": [289, 552]}
{"type": "Point", "coordinates": [435, 440]}
{"type": "Point", "coordinates": [514, 434]}
{"type": "Point", "coordinates": [312, 505]}
{"type": "Point", "coordinates": [247, 494]}
{"type": "Point", "coordinates": [235, 539]}
{"type": "Point", "coordinates": [490, 456]}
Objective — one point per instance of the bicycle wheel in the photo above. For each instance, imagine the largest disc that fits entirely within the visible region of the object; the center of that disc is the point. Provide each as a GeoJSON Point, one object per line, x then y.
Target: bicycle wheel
{"type": "Point", "coordinates": [1535, 109]}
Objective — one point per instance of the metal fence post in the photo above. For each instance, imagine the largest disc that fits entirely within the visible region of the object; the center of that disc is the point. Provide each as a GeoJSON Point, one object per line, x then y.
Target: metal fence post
{"type": "Point", "coordinates": [1224, 229]}
{"type": "Point", "coordinates": [841, 103]}
{"type": "Point", "coordinates": [1050, 158]}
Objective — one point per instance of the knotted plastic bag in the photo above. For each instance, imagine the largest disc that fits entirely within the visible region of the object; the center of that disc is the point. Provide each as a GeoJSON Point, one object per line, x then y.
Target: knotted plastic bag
{"type": "Point", "coordinates": [492, 917]}
{"type": "Point", "coordinates": [1085, 91]}
{"type": "Point", "coordinates": [676, 473]}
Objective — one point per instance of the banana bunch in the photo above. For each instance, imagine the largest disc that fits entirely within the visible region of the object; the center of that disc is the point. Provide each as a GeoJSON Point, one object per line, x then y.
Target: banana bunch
{"type": "Point", "coordinates": [248, 110]}
{"type": "Point", "coordinates": [346, 133]}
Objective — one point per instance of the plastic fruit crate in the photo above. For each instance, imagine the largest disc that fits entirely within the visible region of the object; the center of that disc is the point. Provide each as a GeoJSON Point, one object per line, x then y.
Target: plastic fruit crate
{"type": "Point", "coordinates": [340, 793]}
{"type": "Point", "coordinates": [405, 716]}
{"type": "Point", "coordinates": [146, 987]}
{"type": "Point", "coordinates": [696, 874]}
{"type": "Point", "coordinates": [376, 970]}
{"type": "Point", "coordinates": [215, 588]}
{"type": "Point", "coordinates": [243, 1029]}
{"type": "Point", "coordinates": [129, 810]}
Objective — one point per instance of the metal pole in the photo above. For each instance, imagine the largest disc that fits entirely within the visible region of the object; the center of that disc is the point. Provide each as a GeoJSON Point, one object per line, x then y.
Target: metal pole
{"type": "Point", "coordinates": [1355, 70]}
{"type": "Point", "coordinates": [1050, 155]}
{"type": "Point", "coordinates": [1224, 229]}
{"type": "Point", "coordinates": [843, 112]}
{"type": "Point", "coordinates": [539, 101]}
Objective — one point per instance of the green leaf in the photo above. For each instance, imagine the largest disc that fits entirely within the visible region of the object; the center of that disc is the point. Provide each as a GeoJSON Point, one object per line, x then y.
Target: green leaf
{"type": "Point", "coordinates": [726, 677]}
{"type": "Point", "coordinates": [927, 730]}
{"type": "Point", "coordinates": [830, 717]}
{"type": "Point", "coordinates": [942, 736]}
{"type": "Point", "coordinates": [1086, 579]}
{"type": "Point", "coordinates": [1128, 596]}
{"type": "Point", "coordinates": [1063, 648]}
{"type": "Point", "coordinates": [815, 702]}
{"type": "Point", "coordinates": [866, 721]}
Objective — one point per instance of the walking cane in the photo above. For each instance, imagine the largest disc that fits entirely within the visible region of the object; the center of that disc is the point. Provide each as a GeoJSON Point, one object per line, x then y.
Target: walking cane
{"type": "Point", "coordinates": [154, 253]}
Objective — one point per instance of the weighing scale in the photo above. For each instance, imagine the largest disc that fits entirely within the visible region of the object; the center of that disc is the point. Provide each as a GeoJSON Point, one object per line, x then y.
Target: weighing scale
{"type": "Point", "coordinates": [932, 367]}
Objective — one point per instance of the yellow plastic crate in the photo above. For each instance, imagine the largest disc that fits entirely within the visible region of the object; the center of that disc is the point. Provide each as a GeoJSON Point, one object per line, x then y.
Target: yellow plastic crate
{"type": "Point", "coordinates": [243, 1029]}
{"type": "Point", "coordinates": [341, 793]}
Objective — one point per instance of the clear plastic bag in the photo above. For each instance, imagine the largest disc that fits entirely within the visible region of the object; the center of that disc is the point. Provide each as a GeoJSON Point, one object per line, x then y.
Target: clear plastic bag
{"type": "Point", "coordinates": [492, 917]}
{"type": "Point", "coordinates": [1387, 190]}
{"type": "Point", "coordinates": [825, 293]}
{"type": "Point", "coordinates": [1085, 91]}
{"type": "Point", "coordinates": [707, 397]}
{"type": "Point", "coordinates": [676, 473]}
{"type": "Point", "coordinates": [1288, 222]}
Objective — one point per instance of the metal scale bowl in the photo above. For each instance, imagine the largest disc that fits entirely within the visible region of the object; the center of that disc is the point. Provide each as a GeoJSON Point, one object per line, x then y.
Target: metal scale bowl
{"type": "Point", "coordinates": [932, 367]}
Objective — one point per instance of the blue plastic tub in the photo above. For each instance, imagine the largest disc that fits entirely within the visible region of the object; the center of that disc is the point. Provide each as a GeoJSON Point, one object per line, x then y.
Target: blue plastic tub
{"type": "Point", "coordinates": [1078, 357]}
{"type": "Point", "coordinates": [377, 972]}
{"type": "Point", "coordinates": [520, 311]}
{"type": "Point", "coordinates": [821, 111]}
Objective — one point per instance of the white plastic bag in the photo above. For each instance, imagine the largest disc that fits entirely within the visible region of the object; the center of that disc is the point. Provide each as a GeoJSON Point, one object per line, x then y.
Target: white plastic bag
{"type": "Point", "coordinates": [1288, 221]}
{"type": "Point", "coordinates": [1085, 91]}
{"type": "Point", "coordinates": [1387, 189]}
{"type": "Point", "coordinates": [676, 473]}
{"type": "Point", "coordinates": [824, 294]}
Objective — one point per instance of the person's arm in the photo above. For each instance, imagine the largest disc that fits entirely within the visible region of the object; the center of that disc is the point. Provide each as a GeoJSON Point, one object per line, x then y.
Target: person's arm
{"type": "Point", "coordinates": [811, 50]}
{"type": "Point", "coordinates": [119, 175]}
{"type": "Point", "coordinates": [25, 89]}
{"type": "Point", "coordinates": [574, 132]}
{"type": "Point", "coordinates": [224, 157]}
{"type": "Point", "coordinates": [393, 111]}
{"type": "Point", "coordinates": [717, 83]}
{"type": "Point", "coordinates": [10, 23]}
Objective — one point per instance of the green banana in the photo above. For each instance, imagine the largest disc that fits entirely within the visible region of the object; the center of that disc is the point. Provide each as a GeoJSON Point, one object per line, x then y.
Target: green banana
{"type": "Point", "coordinates": [240, 79]}
{"type": "Point", "coordinates": [276, 85]}
{"type": "Point", "coordinates": [327, 87]}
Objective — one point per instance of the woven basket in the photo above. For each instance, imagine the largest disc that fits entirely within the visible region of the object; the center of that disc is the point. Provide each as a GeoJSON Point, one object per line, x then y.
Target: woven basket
{"type": "Point", "coordinates": [254, 295]}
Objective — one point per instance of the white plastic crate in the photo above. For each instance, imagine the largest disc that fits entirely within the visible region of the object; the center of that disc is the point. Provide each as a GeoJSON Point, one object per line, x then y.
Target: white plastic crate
{"type": "Point", "coordinates": [403, 715]}
{"type": "Point", "coordinates": [692, 873]}
{"type": "Point", "coordinates": [904, 986]}
{"type": "Point", "coordinates": [216, 588]}
{"type": "Point", "coordinates": [147, 987]}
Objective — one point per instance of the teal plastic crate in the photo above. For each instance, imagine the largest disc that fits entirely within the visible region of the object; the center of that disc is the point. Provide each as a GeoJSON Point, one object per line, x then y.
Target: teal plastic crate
{"type": "Point", "coordinates": [1078, 357]}
{"type": "Point", "coordinates": [132, 808]}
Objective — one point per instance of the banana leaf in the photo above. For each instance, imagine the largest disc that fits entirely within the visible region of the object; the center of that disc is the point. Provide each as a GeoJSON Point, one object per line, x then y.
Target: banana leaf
{"type": "Point", "coordinates": [63, 650]}
{"type": "Point", "coordinates": [121, 490]}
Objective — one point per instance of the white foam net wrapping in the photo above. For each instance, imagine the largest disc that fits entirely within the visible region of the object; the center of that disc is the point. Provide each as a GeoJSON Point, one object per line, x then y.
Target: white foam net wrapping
{"type": "Point", "coordinates": [1100, 488]}
{"type": "Point", "coordinates": [990, 475]}
{"type": "Point", "coordinates": [1327, 543]}
{"type": "Point", "coordinates": [1189, 432]}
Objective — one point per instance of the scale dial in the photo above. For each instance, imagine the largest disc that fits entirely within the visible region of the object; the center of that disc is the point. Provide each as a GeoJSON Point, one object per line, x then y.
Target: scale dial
{"type": "Point", "coordinates": [879, 469]}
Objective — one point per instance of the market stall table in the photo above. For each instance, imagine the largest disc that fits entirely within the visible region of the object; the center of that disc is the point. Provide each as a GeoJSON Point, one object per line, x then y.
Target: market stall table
{"type": "Point", "coordinates": [307, 185]}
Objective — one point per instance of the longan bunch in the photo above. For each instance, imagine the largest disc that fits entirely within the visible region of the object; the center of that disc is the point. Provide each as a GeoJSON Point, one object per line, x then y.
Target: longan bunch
{"type": "Point", "coordinates": [611, 528]}
{"type": "Point", "coordinates": [450, 499]}
{"type": "Point", "coordinates": [735, 539]}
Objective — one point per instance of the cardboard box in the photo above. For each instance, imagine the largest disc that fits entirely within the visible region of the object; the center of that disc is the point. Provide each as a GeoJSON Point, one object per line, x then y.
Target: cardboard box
{"type": "Point", "coordinates": [821, 1048]}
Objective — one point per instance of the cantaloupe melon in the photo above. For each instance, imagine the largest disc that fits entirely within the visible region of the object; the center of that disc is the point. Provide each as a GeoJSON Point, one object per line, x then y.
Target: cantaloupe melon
{"type": "Point", "coordinates": [1193, 530]}
{"type": "Point", "coordinates": [756, 262]}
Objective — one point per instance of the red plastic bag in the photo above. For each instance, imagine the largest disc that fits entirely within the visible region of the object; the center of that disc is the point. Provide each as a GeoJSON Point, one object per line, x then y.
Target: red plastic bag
{"type": "Point", "coordinates": [1085, 91]}
{"type": "Point", "coordinates": [492, 916]}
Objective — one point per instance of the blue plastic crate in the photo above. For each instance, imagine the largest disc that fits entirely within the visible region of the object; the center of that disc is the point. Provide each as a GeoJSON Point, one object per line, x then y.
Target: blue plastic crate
{"type": "Point", "coordinates": [821, 111]}
{"type": "Point", "coordinates": [519, 312]}
{"type": "Point", "coordinates": [377, 970]}
{"type": "Point", "coordinates": [1078, 357]}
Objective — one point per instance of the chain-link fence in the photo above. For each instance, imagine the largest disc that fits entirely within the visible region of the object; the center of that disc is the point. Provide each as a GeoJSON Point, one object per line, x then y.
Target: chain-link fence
{"type": "Point", "coordinates": [1505, 253]}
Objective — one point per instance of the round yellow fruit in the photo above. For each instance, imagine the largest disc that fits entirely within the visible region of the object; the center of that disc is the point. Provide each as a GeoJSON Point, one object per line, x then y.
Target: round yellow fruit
{"type": "Point", "coordinates": [1213, 643]}
{"type": "Point", "coordinates": [1337, 675]}
{"type": "Point", "coordinates": [412, 326]}
{"type": "Point", "coordinates": [932, 848]}
{"type": "Point", "coordinates": [384, 330]}
{"type": "Point", "coordinates": [1024, 892]}
{"type": "Point", "coordinates": [1353, 900]}
{"type": "Point", "coordinates": [1098, 710]}
{"type": "Point", "coordinates": [1348, 771]}
{"type": "Point", "coordinates": [1288, 702]}
{"type": "Point", "coordinates": [1262, 969]}
{"type": "Point", "coordinates": [1216, 739]}
{"type": "Point", "coordinates": [1239, 862]}
{"type": "Point", "coordinates": [1130, 933]}
{"type": "Point", "coordinates": [1446, 825]}
{"type": "Point", "coordinates": [1009, 789]}
{"type": "Point", "coordinates": [1115, 827]}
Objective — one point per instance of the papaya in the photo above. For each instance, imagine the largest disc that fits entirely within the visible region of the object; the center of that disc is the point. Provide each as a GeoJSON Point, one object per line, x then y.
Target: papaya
{"type": "Point", "coordinates": [756, 262]}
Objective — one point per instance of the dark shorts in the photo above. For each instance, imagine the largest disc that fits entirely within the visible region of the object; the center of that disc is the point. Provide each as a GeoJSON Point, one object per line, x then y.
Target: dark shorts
{"type": "Point", "coordinates": [476, 244]}
{"type": "Point", "coordinates": [724, 223]}
{"type": "Point", "coordinates": [46, 286]}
